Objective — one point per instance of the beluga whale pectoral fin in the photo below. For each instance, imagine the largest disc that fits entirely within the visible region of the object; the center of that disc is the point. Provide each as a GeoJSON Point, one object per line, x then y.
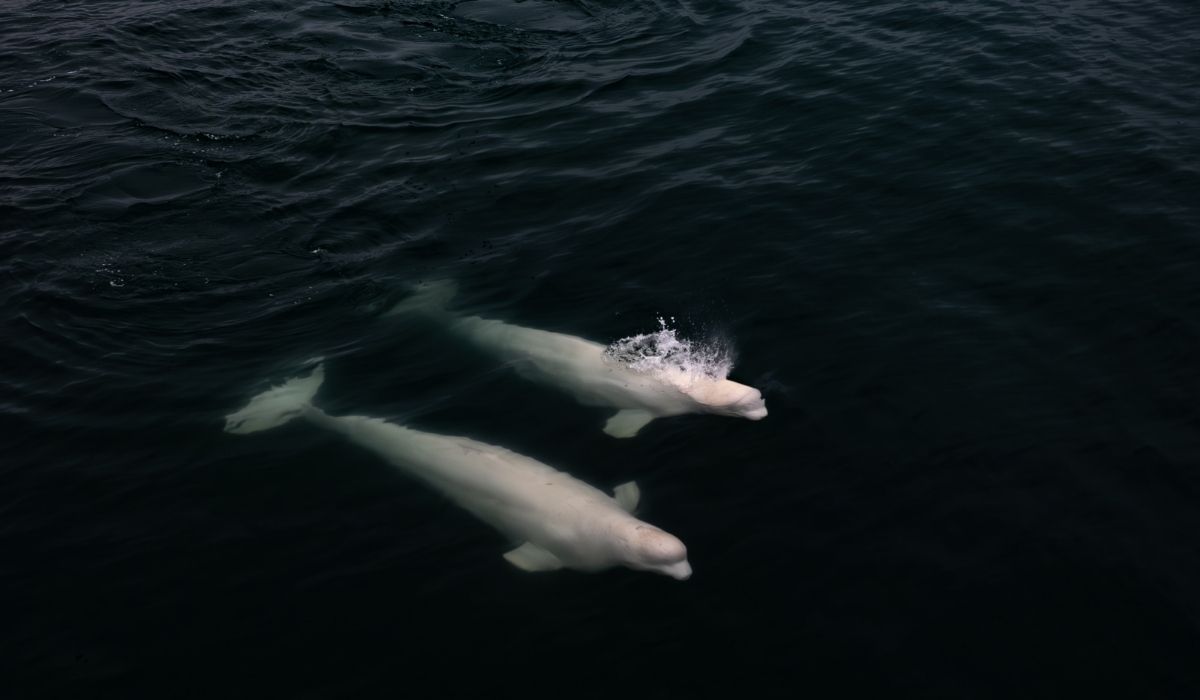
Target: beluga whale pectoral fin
{"type": "Point", "coordinates": [627, 423]}
{"type": "Point", "coordinates": [627, 496]}
{"type": "Point", "coordinates": [530, 557]}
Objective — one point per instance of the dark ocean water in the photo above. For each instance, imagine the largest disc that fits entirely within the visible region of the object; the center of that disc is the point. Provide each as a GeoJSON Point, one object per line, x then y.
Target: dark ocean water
{"type": "Point", "coordinates": [957, 245]}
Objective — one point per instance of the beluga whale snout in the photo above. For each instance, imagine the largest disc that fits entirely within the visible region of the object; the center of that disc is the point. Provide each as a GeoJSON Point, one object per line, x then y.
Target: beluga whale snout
{"type": "Point", "coordinates": [594, 374]}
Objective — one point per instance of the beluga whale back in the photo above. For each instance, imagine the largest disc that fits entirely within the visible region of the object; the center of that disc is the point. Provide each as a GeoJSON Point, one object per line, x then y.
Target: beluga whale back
{"type": "Point", "coordinates": [559, 521]}
{"type": "Point", "coordinates": [585, 370]}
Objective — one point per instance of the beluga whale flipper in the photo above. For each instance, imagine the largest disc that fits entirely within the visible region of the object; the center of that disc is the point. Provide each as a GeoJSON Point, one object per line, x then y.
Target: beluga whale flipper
{"type": "Point", "coordinates": [559, 521]}
{"type": "Point", "coordinates": [592, 373]}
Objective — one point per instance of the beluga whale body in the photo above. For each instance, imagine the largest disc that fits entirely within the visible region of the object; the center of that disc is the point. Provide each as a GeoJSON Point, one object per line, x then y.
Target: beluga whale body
{"type": "Point", "coordinates": [590, 373]}
{"type": "Point", "coordinates": [560, 521]}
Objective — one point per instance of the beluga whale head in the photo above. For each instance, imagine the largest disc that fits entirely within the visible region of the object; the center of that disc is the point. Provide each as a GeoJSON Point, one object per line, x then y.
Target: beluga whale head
{"type": "Point", "coordinates": [727, 398]}
{"type": "Point", "coordinates": [647, 548]}
{"type": "Point", "coordinates": [696, 370]}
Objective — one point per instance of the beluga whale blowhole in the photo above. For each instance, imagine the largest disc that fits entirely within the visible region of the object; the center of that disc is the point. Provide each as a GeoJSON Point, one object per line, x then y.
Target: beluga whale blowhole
{"type": "Point", "coordinates": [558, 520]}
{"type": "Point", "coordinates": [643, 377]}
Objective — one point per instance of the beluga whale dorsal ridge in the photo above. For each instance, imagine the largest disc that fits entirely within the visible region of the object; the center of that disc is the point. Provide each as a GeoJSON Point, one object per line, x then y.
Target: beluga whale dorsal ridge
{"type": "Point", "coordinates": [558, 520]}
{"type": "Point", "coordinates": [615, 376]}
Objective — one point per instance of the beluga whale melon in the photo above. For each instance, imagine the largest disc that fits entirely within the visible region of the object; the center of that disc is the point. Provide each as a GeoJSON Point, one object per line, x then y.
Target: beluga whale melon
{"type": "Point", "coordinates": [556, 520]}
{"type": "Point", "coordinates": [590, 372]}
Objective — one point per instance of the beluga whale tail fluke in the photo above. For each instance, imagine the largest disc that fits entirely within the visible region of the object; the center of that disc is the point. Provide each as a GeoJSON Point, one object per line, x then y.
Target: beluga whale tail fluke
{"type": "Point", "coordinates": [556, 520]}
{"type": "Point", "coordinates": [678, 381]}
{"type": "Point", "coordinates": [428, 298]}
{"type": "Point", "coordinates": [277, 405]}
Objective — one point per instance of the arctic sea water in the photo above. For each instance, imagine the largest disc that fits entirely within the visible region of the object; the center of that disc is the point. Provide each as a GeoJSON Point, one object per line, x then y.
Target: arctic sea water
{"type": "Point", "coordinates": [955, 245]}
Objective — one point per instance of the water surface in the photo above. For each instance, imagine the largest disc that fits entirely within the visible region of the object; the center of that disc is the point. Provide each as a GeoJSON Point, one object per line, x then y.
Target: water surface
{"type": "Point", "coordinates": [955, 244]}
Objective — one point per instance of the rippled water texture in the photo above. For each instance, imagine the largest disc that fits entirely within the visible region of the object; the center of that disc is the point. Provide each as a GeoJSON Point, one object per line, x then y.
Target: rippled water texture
{"type": "Point", "coordinates": [956, 245]}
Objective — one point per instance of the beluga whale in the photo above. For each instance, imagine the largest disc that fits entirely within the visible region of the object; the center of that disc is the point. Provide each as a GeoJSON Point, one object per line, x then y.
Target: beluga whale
{"type": "Point", "coordinates": [558, 520]}
{"type": "Point", "coordinates": [594, 374]}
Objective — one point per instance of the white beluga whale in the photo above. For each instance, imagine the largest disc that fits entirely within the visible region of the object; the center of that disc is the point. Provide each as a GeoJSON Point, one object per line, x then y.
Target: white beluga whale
{"type": "Point", "coordinates": [596, 376]}
{"type": "Point", "coordinates": [559, 521]}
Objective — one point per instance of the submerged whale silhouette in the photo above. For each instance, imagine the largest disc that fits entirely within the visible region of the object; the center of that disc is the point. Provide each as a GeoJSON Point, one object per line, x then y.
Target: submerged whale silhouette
{"type": "Point", "coordinates": [560, 520]}
{"type": "Point", "coordinates": [581, 368]}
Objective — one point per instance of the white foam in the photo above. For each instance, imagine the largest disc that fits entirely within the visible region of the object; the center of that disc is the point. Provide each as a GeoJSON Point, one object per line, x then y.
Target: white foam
{"type": "Point", "coordinates": [665, 350]}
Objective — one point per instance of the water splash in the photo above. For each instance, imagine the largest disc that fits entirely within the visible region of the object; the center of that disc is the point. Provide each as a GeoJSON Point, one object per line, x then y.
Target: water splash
{"type": "Point", "coordinates": [666, 350]}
